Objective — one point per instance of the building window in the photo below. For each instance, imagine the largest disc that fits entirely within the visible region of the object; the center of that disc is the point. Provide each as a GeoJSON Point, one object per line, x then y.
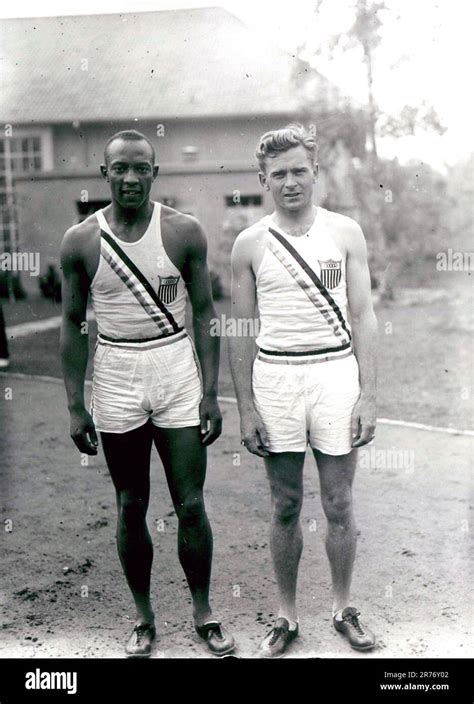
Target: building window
{"type": "Point", "coordinates": [25, 154]}
{"type": "Point", "coordinates": [18, 155]}
{"type": "Point", "coordinates": [190, 153]}
{"type": "Point", "coordinates": [239, 200]}
{"type": "Point", "coordinates": [86, 209]}
{"type": "Point", "coordinates": [241, 211]}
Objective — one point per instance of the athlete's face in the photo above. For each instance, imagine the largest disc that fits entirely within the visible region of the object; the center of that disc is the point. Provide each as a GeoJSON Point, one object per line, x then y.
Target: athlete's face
{"type": "Point", "coordinates": [130, 171]}
{"type": "Point", "coordinates": [290, 177]}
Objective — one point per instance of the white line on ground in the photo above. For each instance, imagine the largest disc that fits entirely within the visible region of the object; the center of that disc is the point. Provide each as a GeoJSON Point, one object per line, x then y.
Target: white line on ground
{"type": "Point", "coordinates": [23, 329]}
{"type": "Point", "coordinates": [423, 426]}
{"type": "Point", "coordinates": [232, 400]}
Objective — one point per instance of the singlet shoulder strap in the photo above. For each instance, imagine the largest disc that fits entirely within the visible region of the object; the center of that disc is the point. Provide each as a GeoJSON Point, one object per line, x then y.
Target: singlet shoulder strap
{"type": "Point", "coordinates": [104, 225]}
{"type": "Point", "coordinates": [154, 227]}
{"type": "Point", "coordinates": [157, 211]}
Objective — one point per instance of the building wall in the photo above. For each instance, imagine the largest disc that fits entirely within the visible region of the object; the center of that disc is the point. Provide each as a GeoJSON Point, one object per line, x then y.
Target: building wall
{"type": "Point", "coordinates": [81, 146]}
{"type": "Point", "coordinates": [47, 207]}
{"type": "Point", "coordinates": [47, 203]}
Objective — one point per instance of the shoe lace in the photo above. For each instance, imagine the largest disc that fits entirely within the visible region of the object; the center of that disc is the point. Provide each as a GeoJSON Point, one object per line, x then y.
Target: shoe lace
{"type": "Point", "coordinates": [140, 631]}
{"type": "Point", "coordinates": [216, 630]}
{"type": "Point", "coordinates": [275, 633]}
{"type": "Point", "coordinates": [353, 619]}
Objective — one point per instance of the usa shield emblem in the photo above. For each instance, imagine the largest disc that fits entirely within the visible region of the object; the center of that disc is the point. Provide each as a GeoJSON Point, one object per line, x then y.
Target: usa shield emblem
{"type": "Point", "coordinates": [331, 273]}
{"type": "Point", "coordinates": [168, 288]}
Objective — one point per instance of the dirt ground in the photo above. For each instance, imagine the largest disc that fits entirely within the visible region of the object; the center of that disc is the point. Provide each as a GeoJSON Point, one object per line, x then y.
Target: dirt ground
{"type": "Point", "coordinates": [63, 594]}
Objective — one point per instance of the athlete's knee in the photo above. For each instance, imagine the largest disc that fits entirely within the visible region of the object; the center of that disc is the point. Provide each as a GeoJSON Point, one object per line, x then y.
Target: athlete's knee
{"type": "Point", "coordinates": [132, 510]}
{"type": "Point", "coordinates": [287, 508]}
{"type": "Point", "coordinates": [191, 511]}
{"type": "Point", "coordinates": [338, 509]}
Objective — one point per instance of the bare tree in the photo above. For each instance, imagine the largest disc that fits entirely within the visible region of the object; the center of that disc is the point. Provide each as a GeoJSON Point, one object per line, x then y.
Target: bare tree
{"type": "Point", "coordinates": [363, 37]}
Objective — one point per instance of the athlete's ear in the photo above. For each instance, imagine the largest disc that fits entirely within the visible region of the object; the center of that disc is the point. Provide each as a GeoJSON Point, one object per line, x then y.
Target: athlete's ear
{"type": "Point", "coordinates": [156, 168]}
{"type": "Point", "coordinates": [315, 172]}
{"type": "Point", "coordinates": [103, 171]}
{"type": "Point", "coordinates": [263, 180]}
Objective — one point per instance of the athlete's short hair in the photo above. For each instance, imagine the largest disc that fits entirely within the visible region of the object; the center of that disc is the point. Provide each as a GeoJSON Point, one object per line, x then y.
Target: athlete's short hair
{"type": "Point", "coordinates": [128, 136]}
{"type": "Point", "coordinates": [275, 142]}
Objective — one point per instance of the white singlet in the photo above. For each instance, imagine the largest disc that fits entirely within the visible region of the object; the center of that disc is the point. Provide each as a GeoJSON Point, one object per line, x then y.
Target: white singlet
{"type": "Point", "coordinates": [122, 305]}
{"type": "Point", "coordinates": [295, 314]}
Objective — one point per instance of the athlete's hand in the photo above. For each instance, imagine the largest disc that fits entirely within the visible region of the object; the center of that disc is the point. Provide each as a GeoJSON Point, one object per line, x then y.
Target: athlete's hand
{"type": "Point", "coordinates": [211, 420]}
{"type": "Point", "coordinates": [83, 432]}
{"type": "Point", "coordinates": [253, 434]}
{"type": "Point", "coordinates": [364, 420]}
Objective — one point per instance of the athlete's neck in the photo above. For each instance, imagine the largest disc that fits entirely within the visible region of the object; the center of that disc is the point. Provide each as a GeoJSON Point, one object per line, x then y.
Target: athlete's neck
{"type": "Point", "coordinates": [295, 223]}
{"type": "Point", "coordinates": [129, 223]}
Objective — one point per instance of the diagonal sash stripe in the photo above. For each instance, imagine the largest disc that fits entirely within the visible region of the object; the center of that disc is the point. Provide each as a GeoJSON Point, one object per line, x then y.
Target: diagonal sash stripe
{"type": "Point", "coordinates": [314, 278]}
{"type": "Point", "coordinates": [307, 288]}
{"type": "Point", "coordinates": [144, 282]}
{"type": "Point", "coordinates": [118, 267]}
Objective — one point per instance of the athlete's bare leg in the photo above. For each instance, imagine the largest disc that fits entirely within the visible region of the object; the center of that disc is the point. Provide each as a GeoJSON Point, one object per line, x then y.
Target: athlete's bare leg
{"type": "Point", "coordinates": [285, 474]}
{"type": "Point", "coordinates": [336, 474]}
{"type": "Point", "coordinates": [128, 460]}
{"type": "Point", "coordinates": [184, 460]}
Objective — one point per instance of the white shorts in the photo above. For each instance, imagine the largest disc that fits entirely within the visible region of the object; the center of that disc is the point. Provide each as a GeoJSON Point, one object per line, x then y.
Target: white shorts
{"type": "Point", "coordinates": [303, 403]}
{"type": "Point", "coordinates": [157, 380]}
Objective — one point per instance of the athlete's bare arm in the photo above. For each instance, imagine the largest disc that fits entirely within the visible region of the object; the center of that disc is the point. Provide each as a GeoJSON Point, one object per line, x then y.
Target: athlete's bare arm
{"type": "Point", "coordinates": [198, 283]}
{"type": "Point", "coordinates": [242, 348]}
{"type": "Point", "coordinates": [77, 263]}
{"type": "Point", "coordinates": [364, 331]}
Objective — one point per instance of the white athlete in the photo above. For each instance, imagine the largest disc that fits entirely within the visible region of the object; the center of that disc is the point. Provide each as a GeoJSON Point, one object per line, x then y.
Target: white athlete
{"type": "Point", "coordinates": [298, 397]}
{"type": "Point", "coordinates": [313, 378]}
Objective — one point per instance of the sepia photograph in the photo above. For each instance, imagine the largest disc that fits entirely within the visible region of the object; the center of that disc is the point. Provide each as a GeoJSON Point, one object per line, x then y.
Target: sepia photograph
{"type": "Point", "coordinates": [236, 333]}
